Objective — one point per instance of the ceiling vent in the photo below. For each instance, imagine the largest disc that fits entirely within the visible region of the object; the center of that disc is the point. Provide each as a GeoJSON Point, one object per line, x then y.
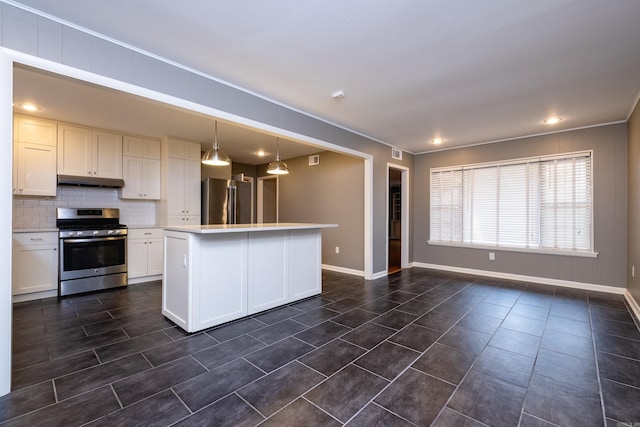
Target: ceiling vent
{"type": "Point", "coordinates": [396, 153]}
{"type": "Point", "coordinates": [314, 160]}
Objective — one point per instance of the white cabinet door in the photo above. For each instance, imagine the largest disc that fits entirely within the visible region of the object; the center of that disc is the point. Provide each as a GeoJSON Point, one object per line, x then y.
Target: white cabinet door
{"type": "Point", "coordinates": [35, 130]}
{"type": "Point", "coordinates": [132, 174]}
{"type": "Point", "coordinates": [140, 147]}
{"type": "Point", "coordinates": [144, 252]}
{"type": "Point", "coordinates": [184, 150]}
{"type": "Point", "coordinates": [136, 258]}
{"type": "Point", "coordinates": [141, 178]}
{"type": "Point", "coordinates": [107, 160]}
{"type": "Point", "coordinates": [87, 152]}
{"type": "Point", "coordinates": [154, 256]}
{"type": "Point", "coordinates": [151, 179]}
{"type": "Point", "coordinates": [35, 173]}
{"type": "Point", "coordinates": [192, 151]}
{"type": "Point", "coordinates": [34, 262]}
{"type": "Point", "coordinates": [75, 151]}
{"type": "Point", "coordinates": [192, 188]}
{"type": "Point", "coordinates": [268, 282]}
{"type": "Point", "coordinates": [175, 187]}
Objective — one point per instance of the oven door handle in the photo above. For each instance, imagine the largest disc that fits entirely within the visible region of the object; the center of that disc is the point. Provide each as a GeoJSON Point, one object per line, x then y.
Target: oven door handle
{"type": "Point", "coordinates": [94, 239]}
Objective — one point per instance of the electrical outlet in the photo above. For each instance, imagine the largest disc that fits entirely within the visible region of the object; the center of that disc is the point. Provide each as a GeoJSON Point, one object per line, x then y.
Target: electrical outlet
{"type": "Point", "coordinates": [492, 256]}
{"type": "Point", "coordinates": [337, 249]}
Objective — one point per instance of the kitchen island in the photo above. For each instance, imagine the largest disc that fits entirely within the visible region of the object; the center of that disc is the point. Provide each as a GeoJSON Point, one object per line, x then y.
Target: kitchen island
{"type": "Point", "coordinates": [218, 273]}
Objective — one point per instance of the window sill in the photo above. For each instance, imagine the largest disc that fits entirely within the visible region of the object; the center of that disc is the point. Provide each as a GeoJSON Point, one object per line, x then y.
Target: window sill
{"type": "Point", "coordinates": [583, 254]}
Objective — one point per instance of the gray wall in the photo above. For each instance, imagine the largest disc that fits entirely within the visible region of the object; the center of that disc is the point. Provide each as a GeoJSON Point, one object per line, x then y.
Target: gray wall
{"type": "Point", "coordinates": [633, 283]}
{"type": "Point", "coordinates": [330, 192]}
{"type": "Point", "coordinates": [609, 144]}
{"type": "Point", "coordinates": [29, 33]}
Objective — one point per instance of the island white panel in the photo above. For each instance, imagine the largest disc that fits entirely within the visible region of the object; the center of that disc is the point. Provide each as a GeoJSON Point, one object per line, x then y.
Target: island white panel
{"type": "Point", "coordinates": [305, 271]}
{"type": "Point", "coordinates": [175, 298]}
{"type": "Point", "coordinates": [268, 276]}
{"type": "Point", "coordinates": [222, 276]}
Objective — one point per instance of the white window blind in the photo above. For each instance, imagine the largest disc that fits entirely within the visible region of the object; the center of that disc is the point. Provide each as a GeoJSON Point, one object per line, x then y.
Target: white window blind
{"type": "Point", "coordinates": [540, 203]}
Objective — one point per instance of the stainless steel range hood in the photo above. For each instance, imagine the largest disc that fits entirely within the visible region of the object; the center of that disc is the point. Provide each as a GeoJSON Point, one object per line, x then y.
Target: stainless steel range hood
{"type": "Point", "coordinates": [90, 181]}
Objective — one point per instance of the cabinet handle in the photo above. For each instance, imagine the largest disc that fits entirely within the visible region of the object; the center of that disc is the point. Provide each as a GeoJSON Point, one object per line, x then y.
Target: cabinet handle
{"type": "Point", "coordinates": [55, 249]}
{"type": "Point", "coordinates": [148, 234]}
{"type": "Point", "coordinates": [184, 260]}
{"type": "Point", "coordinates": [36, 238]}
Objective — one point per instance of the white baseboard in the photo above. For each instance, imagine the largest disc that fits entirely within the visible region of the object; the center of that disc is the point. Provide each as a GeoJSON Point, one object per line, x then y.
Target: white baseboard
{"type": "Point", "coordinates": [343, 270]}
{"type": "Point", "coordinates": [632, 303]}
{"type": "Point", "coordinates": [523, 278]}
{"type": "Point", "coordinates": [34, 296]}
{"type": "Point", "coordinates": [379, 274]}
{"type": "Point", "coordinates": [144, 279]}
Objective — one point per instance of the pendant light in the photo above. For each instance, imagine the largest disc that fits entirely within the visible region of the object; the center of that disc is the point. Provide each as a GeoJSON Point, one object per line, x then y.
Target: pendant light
{"type": "Point", "coordinates": [215, 156]}
{"type": "Point", "coordinates": [278, 167]}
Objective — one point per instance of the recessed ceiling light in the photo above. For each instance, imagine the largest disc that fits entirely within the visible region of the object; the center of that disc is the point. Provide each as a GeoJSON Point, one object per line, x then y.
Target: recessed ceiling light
{"type": "Point", "coordinates": [553, 120]}
{"type": "Point", "coordinates": [261, 153]}
{"type": "Point", "coordinates": [338, 94]}
{"type": "Point", "coordinates": [437, 141]}
{"type": "Point", "coordinates": [29, 107]}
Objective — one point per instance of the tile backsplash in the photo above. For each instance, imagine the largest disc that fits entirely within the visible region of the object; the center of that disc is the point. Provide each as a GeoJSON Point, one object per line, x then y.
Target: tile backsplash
{"type": "Point", "coordinates": [40, 212]}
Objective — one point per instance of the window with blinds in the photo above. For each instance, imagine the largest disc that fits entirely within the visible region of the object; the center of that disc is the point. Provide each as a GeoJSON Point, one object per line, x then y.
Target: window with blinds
{"type": "Point", "coordinates": [535, 203]}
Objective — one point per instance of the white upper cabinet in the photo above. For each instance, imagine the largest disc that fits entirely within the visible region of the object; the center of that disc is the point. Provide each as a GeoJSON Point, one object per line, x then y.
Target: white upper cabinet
{"type": "Point", "coordinates": [88, 152]}
{"type": "Point", "coordinates": [140, 147]}
{"type": "Point", "coordinates": [35, 130]}
{"type": "Point", "coordinates": [141, 168]}
{"type": "Point", "coordinates": [34, 166]}
{"type": "Point", "coordinates": [34, 170]}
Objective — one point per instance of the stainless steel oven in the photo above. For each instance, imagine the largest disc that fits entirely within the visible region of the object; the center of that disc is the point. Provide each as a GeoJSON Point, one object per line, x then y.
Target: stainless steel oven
{"type": "Point", "coordinates": [93, 250]}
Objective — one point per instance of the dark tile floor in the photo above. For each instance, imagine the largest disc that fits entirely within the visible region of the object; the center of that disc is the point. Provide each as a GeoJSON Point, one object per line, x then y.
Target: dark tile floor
{"type": "Point", "coordinates": [419, 347]}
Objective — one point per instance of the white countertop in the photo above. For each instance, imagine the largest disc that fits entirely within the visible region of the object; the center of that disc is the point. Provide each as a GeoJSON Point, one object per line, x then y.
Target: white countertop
{"type": "Point", "coordinates": [35, 230]}
{"type": "Point", "coordinates": [242, 228]}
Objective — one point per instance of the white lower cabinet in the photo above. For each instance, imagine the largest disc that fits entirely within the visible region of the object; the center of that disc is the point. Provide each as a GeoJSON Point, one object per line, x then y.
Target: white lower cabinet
{"type": "Point", "coordinates": [34, 262]}
{"type": "Point", "coordinates": [144, 252]}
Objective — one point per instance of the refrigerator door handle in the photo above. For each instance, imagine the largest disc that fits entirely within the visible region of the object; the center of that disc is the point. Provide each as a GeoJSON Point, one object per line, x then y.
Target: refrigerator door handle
{"type": "Point", "coordinates": [232, 204]}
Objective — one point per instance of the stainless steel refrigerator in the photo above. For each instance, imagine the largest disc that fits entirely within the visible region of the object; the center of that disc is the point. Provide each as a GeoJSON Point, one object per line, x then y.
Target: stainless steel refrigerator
{"type": "Point", "coordinates": [226, 201]}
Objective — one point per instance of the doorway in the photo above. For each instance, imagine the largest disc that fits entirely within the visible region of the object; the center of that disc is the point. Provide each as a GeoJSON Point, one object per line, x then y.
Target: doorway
{"type": "Point", "coordinates": [397, 218]}
{"type": "Point", "coordinates": [267, 199]}
{"type": "Point", "coordinates": [395, 221]}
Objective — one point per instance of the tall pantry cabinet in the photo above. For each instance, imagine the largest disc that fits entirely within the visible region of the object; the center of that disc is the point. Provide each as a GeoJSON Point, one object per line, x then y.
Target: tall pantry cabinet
{"type": "Point", "coordinates": [180, 202]}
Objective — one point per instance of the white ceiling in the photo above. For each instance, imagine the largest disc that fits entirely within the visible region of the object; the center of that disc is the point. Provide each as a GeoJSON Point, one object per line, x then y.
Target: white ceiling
{"type": "Point", "coordinates": [68, 100]}
{"type": "Point", "coordinates": [468, 71]}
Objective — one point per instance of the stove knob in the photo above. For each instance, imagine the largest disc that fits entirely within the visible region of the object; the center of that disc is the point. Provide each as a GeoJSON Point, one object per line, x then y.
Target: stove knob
{"type": "Point", "coordinates": [110, 232]}
{"type": "Point", "coordinates": [72, 233]}
{"type": "Point", "coordinates": [95, 233]}
{"type": "Point", "coordinates": [79, 233]}
{"type": "Point", "coordinates": [117, 232]}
